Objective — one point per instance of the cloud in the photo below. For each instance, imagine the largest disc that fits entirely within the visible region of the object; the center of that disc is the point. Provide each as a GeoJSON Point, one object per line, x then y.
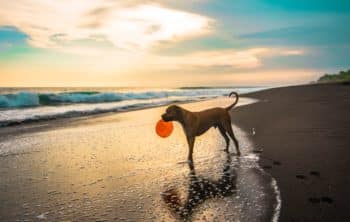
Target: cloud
{"type": "Point", "coordinates": [331, 33]}
{"type": "Point", "coordinates": [292, 52]}
{"type": "Point", "coordinates": [133, 26]}
{"type": "Point", "coordinates": [222, 59]}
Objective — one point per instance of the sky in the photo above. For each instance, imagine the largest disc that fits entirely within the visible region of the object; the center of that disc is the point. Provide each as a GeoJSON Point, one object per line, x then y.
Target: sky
{"type": "Point", "coordinates": [166, 43]}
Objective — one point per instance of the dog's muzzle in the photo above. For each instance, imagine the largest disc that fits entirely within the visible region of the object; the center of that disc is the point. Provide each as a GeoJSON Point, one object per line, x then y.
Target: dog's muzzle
{"type": "Point", "coordinates": [166, 117]}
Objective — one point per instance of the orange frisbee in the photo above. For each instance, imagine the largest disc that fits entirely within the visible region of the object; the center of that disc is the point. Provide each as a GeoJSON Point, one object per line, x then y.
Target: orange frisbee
{"type": "Point", "coordinates": [164, 129]}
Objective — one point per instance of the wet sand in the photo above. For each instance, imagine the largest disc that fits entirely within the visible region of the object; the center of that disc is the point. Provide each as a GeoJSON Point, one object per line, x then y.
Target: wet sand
{"type": "Point", "coordinates": [115, 168]}
{"type": "Point", "coordinates": [304, 135]}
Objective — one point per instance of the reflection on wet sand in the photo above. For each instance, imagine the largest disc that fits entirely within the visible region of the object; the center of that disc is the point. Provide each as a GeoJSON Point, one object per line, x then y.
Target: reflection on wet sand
{"type": "Point", "coordinates": [199, 190]}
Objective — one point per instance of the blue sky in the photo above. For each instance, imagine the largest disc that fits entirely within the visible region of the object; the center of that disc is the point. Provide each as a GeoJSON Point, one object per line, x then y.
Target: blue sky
{"type": "Point", "coordinates": [172, 43]}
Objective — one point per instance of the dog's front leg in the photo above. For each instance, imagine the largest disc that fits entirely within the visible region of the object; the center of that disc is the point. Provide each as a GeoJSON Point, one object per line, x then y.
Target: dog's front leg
{"type": "Point", "coordinates": [190, 141]}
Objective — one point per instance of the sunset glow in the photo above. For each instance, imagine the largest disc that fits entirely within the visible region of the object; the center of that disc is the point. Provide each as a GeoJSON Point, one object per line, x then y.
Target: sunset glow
{"type": "Point", "coordinates": [99, 43]}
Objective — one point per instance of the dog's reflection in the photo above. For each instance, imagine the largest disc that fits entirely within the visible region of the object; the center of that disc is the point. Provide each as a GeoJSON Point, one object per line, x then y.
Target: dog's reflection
{"type": "Point", "coordinates": [199, 190]}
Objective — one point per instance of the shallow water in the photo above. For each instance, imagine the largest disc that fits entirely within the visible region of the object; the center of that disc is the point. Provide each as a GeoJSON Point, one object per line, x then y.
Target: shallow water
{"type": "Point", "coordinates": [118, 169]}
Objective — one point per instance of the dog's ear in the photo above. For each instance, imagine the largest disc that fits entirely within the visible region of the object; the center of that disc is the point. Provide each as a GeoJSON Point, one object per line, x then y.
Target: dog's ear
{"type": "Point", "coordinates": [178, 110]}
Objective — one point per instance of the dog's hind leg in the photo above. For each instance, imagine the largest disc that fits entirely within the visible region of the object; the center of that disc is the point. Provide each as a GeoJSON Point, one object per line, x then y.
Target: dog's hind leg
{"type": "Point", "coordinates": [223, 133]}
{"type": "Point", "coordinates": [190, 141]}
{"type": "Point", "coordinates": [228, 128]}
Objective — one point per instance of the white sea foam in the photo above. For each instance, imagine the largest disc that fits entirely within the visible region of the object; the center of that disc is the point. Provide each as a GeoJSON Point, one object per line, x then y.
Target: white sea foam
{"type": "Point", "coordinates": [250, 160]}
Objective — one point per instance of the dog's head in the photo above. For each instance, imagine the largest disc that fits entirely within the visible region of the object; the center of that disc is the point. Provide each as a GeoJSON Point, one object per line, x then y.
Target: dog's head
{"type": "Point", "coordinates": [172, 113]}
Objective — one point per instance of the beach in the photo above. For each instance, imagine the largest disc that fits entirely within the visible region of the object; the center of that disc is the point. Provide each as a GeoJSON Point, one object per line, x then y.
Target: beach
{"type": "Point", "coordinates": [113, 167]}
{"type": "Point", "coordinates": [164, 111]}
{"type": "Point", "coordinates": [303, 133]}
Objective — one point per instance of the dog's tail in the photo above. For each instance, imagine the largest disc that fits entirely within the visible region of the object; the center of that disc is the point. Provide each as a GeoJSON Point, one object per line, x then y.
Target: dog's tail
{"type": "Point", "coordinates": [236, 101]}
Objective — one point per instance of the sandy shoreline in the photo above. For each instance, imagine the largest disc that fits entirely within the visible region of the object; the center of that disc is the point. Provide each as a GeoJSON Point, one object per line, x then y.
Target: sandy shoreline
{"type": "Point", "coordinates": [114, 167]}
{"type": "Point", "coordinates": [303, 132]}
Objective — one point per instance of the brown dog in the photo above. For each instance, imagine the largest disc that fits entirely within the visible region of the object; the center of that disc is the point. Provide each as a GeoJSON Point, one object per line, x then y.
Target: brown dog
{"type": "Point", "coordinates": [197, 123]}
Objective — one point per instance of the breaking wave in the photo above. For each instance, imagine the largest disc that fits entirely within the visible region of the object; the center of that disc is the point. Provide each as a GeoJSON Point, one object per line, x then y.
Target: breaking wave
{"type": "Point", "coordinates": [29, 99]}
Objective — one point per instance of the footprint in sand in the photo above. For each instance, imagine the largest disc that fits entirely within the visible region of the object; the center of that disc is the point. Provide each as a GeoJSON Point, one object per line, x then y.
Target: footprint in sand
{"type": "Point", "coordinates": [301, 177]}
{"type": "Point", "coordinates": [277, 163]}
{"type": "Point", "coordinates": [327, 200]}
{"type": "Point", "coordinates": [314, 200]}
{"type": "Point", "coordinates": [266, 167]}
{"type": "Point", "coordinates": [317, 200]}
{"type": "Point", "coordinates": [315, 173]}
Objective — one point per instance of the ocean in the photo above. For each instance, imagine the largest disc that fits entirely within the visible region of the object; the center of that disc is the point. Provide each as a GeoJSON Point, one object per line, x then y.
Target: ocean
{"type": "Point", "coordinates": [20, 105]}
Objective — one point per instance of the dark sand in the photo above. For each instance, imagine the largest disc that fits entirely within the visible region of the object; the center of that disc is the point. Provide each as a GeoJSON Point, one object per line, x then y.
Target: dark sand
{"type": "Point", "coordinates": [306, 129]}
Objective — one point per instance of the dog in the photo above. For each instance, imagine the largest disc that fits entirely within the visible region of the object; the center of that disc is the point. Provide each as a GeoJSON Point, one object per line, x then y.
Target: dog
{"type": "Point", "coordinates": [196, 123]}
